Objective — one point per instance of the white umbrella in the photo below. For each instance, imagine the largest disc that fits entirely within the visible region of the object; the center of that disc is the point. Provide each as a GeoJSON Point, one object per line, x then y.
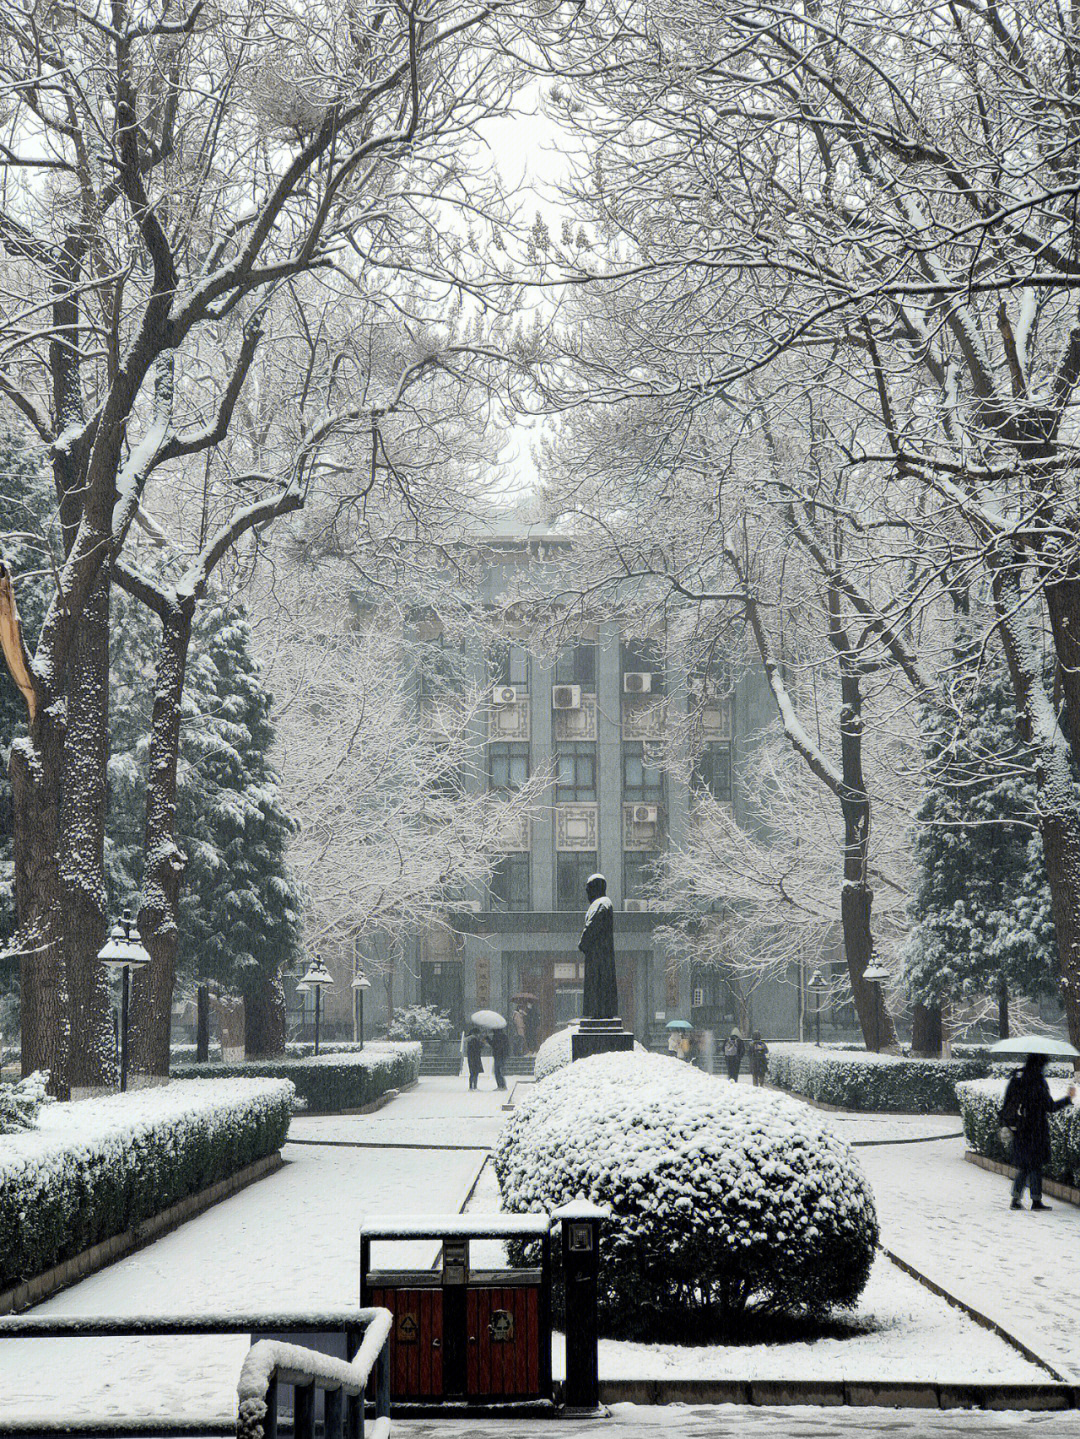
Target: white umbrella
{"type": "Point", "coordinates": [1036, 1044]}
{"type": "Point", "coordinates": [487, 1019]}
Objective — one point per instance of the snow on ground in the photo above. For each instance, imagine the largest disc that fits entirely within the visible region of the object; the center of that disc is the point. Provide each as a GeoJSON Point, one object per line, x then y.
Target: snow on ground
{"type": "Point", "coordinates": [952, 1220]}
{"type": "Point", "coordinates": [900, 1331]}
{"type": "Point", "coordinates": [440, 1110]}
{"type": "Point", "coordinates": [733, 1421]}
{"type": "Point", "coordinates": [289, 1239]}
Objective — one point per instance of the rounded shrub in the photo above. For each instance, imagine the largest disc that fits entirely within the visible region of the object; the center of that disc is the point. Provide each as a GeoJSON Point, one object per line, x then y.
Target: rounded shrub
{"type": "Point", "coordinates": [554, 1053]}
{"type": "Point", "coordinates": [722, 1199]}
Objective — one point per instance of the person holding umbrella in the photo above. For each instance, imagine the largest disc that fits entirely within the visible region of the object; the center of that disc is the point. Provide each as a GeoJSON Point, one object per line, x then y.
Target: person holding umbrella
{"type": "Point", "coordinates": [1026, 1110]}
{"type": "Point", "coordinates": [495, 1026]}
{"type": "Point", "coordinates": [471, 1045]}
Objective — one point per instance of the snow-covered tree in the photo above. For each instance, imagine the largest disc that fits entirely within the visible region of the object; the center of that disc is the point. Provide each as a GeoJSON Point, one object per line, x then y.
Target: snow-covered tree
{"type": "Point", "coordinates": [982, 919]}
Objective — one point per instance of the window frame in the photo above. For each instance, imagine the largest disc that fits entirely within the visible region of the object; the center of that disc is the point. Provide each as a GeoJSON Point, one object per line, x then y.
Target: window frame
{"type": "Point", "coordinates": [641, 793]}
{"type": "Point", "coordinates": [582, 863]}
{"type": "Point", "coordinates": [576, 751]}
{"type": "Point", "coordinates": [509, 751]}
{"type": "Point", "coordinates": [514, 866]}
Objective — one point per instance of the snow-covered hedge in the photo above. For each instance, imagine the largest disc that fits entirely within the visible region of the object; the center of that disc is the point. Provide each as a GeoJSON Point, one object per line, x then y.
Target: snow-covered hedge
{"type": "Point", "coordinates": [722, 1197]}
{"type": "Point", "coordinates": [95, 1168]}
{"type": "Point", "coordinates": [420, 1021]}
{"type": "Point", "coordinates": [328, 1083]}
{"type": "Point", "coordinates": [21, 1101]}
{"type": "Point", "coordinates": [980, 1103]}
{"type": "Point", "coordinates": [853, 1079]}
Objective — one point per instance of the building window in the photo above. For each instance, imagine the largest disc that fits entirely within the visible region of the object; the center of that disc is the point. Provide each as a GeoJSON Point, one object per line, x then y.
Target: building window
{"type": "Point", "coordinates": [576, 665]}
{"type": "Point", "coordinates": [643, 657]}
{"type": "Point", "coordinates": [512, 666]}
{"type": "Point", "coordinates": [637, 875]}
{"type": "Point", "coordinates": [712, 771]}
{"type": "Point", "coordinates": [441, 667]}
{"type": "Point", "coordinates": [509, 884]}
{"type": "Point", "coordinates": [572, 870]}
{"type": "Point", "coordinates": [508, 765]}
{"type": "Point", "coordinates": [575, 772]}
{"type": "Point", "coordinates": [643, 782]}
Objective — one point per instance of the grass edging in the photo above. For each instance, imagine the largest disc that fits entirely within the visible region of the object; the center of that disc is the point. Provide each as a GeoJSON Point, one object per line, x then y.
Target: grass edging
{"type": "Point", "coordinates": [1065, 1192]}
{"type": "Point", "coordinates": [98, 1256]}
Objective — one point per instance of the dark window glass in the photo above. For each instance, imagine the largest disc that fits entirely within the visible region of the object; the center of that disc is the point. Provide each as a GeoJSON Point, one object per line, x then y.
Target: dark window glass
{"type": "Point", "coordinates": [508, 765]}
{"type": "Point", "coordinates": [512, 666]}
{"type": "Point", "coordinates": [576, 665]}
{"type": "Point", "coordinates": [571, 871]}
{"type": "Point", "coordinates": [642, 781]}
{"type": "Point", "coordinates": [510, 883]}
{"type": "Point", "coordinates": [637, 873]}
{"type": "Point", "coordinates": [441, 667]}
{"type": "Point", "coordinates": [575, 771]}
{"type": "Point", "coordinates": [712, 771]}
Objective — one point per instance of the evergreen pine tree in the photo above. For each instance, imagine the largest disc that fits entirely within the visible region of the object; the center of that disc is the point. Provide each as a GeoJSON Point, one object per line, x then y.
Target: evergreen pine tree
{"type": "Point", "coordinates": [981, 907]}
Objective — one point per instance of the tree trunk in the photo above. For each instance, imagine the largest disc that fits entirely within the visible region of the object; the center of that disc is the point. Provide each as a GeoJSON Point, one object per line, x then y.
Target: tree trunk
{"type": "Point", "coordinates": [1003, 1010]}
{"type": "Point", "coordinates": [165, 863]}
{"type": "Point", "coordinates": [927, 1031]}
{"type": "Point", "coordinates": [82, 847]}
{"type": "Point", "coordinates": [264, 1017]}
{"type": "Point", "coordinates": [35, 788]}
{"type": "Point", "coordinates": [856, 896]}
{"type": "Point", "coordinates": [202, 1024]}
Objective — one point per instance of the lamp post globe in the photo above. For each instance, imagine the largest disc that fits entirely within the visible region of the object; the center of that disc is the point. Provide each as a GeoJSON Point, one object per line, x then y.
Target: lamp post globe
{"type": "Point", "coordinates": [123, 950]}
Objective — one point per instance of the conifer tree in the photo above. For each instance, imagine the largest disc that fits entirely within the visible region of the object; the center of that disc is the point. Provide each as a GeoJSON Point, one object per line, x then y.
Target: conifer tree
{"type": "Point", "coordinates": [981, 909]}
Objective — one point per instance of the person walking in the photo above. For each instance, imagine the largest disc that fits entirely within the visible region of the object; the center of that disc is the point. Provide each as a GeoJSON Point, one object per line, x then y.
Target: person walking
{"type": "Point", "coordinates": [520, 1045]}
{"type": "Point", "coordinates": [473, 1055]}
{"type": "Point", "coordinates": [759, 1059]}
{"type": "Point", "coordinates": [1028, 1106]}
{"type": "Point", "coordinates": [734, 1048]}
{"type": "Point", "coordinates": [500, 1047]}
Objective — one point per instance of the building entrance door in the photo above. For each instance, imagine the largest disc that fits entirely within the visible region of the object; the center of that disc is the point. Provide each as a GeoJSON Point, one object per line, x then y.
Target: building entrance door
{"type": "Point", "coordinates": [440, 986]}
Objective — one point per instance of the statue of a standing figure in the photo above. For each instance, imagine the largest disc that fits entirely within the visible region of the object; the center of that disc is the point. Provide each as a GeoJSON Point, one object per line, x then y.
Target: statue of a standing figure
{"type": "Point", "coordinates": [597, 944]}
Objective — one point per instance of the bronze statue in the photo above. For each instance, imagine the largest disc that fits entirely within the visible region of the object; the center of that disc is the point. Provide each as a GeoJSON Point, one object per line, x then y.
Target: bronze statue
{"type": "Point", "coordinates": [597, 944]}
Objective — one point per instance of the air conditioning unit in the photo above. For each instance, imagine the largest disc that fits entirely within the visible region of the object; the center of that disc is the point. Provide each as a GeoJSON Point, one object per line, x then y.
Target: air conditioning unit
{"type": "Point", "coordinates": [636, 906]}
{"type": "Point", "coordinates": [637, 682]}
{"type": "Point", "coordinates": [504, 695]}
{"type": "Point", "coordinates": [645, 814]}
{"type": "Point", "coordinates": [566, 697]}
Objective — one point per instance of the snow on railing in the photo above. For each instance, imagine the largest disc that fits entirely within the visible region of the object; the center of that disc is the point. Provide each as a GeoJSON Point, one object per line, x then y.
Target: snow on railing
{"type": "Point", "coordinates": [271, 1362]}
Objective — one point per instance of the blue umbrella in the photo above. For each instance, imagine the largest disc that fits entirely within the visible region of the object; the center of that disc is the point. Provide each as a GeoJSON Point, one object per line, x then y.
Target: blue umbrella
{"type": "Point", "coordinates": [678, 1024]}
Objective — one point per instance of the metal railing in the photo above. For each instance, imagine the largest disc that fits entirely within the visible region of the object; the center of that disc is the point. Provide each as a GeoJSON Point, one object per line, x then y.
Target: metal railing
{"type": "Point", "coordinates": [269, 1363]}
{"type": "Point", "coordinates": [342, 1383]}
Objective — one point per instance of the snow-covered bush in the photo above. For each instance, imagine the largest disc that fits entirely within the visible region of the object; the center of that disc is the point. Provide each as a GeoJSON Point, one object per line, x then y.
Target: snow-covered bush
{"type": "Point", "coordinates": [554, 1053]}
{"type": "Point", "coordinates": [97, 1167]}
{"type": "Point", "coordinates": [20, 1102]}
{"type": "Point", "coordinates": [722, 1197]}
{"type": "Point", "coordinates": [328, 1083]}
{"type": "Point", "coordinates": [980, 1103]}
{"type": "Point", "coordinates": [854, 1079]}
{"type": "Point", "coordinates": [419, 1021]}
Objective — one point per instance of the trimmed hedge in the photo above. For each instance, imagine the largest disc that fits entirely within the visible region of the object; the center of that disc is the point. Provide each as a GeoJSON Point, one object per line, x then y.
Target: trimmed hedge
{"type": "Point", "coordinates": [97, 1167]}
{"type": "Point", "coordinates": [886, 1083]}
{"type": "Point", "coordinates": [331, 1082]}
{"type": "Point", "coordinates": [723, 1198]}
{"type": "Point", "coordinates": [980, 1102]}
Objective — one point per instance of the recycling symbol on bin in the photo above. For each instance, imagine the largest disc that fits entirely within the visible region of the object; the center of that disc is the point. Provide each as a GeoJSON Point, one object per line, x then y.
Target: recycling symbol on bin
{"type": "Point", "coordinates": [501, 1327]}
{"type": "Point", "coordinates": [408, 1331]}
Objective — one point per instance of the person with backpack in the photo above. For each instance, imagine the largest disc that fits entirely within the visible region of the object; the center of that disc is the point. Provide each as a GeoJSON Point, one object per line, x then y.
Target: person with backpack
{"type": "Point", "coordinates": [759, 1059]}
{"type": "Point", "coordinates": [734, 1049]}
{"type": "Point", "coordinates": [1026, 1113]}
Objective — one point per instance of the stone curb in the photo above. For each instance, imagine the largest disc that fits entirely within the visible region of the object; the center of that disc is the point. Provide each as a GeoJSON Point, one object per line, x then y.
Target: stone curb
{"type": "Point", "coordinates": [1065, 1192]}
{"type": "Point", "coordinates": [70, 1271]}
{"type": "Point", "coordinates": [885, 1394]}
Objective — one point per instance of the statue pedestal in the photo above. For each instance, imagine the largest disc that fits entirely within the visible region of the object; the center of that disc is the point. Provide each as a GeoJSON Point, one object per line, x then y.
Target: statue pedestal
{"type": "Point", "coordinates": [599, 1036]}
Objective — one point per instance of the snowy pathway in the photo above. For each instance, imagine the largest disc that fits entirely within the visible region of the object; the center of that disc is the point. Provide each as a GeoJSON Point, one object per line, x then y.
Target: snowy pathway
{"type": "Point", "coordinates": [288, 1239]}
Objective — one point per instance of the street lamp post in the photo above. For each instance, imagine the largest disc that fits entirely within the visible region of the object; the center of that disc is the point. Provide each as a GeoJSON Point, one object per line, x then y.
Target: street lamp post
{"type": "Point", "coordinates": [360, 982]}
{"type": "Point", "coordinates": [817, 986]}
{"type": "Point", "coordinates": [317, 976]}
{"type": "Point", "coordinates": [124, 951]}
{"type": "Point", "coordinates": [876, 974]}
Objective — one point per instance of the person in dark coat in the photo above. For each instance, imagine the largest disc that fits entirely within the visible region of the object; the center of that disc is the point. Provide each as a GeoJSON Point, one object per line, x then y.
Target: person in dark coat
{"type": "Point", "coordinates": [500, 1047]}
{"type": "Point", "coordinates": [759, 1059]}
{"type": "Point", "coordinates": [474, 1055]}
{"type": "Point", "coordinates": [1027, 1096]}
{"type": "Point", "coordinates": [597, 944]}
